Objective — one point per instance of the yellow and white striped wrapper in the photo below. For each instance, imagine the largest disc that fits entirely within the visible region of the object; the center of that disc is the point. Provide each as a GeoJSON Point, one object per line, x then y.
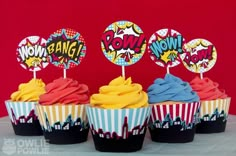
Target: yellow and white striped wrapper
{"type": "Point", "coordinates": [59, 113]}
{"type": "Point", "coordinates": [209, 107]}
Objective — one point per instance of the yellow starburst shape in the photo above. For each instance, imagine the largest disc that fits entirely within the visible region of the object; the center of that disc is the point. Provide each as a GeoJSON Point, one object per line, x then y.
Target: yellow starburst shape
{"type": "Point", "coordinates": [165, 56]}
{"type": "Point", "coordinates": [33, 62]}
{"type": "Point", "coordinates": [117, 26]}
{"type": "Point", "coordinates": [197, 43]}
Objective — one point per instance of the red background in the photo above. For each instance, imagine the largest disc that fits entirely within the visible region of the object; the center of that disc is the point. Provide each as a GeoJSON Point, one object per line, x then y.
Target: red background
{"type": "Point", "coordinates": [214, 21]}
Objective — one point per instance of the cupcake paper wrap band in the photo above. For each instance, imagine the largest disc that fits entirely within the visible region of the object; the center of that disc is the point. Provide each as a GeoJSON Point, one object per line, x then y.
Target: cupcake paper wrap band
{"type": "Point", "coordinates": [52, 115]}
{"type": "Point", "coordinates": [21, 111]}
{"type": "Point", "coordinates": [215, 106]}
{"type": "Point", "coordinates": [185, 111]}
{"type": "Point", "coordinates": [114, 120]}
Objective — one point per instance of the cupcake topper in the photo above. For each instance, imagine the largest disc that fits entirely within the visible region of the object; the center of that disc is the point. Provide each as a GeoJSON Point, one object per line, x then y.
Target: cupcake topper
{"type": "Point", "coordinates": [164, 46]}
{"type": "Point", "coordinates": [31, 54]}
{"type": "Point", "coordinates": [123, 43]}
{"type": "Point", "coordinates": [199, 56]}
{"type": "Point", "coordinates": [66, 48]}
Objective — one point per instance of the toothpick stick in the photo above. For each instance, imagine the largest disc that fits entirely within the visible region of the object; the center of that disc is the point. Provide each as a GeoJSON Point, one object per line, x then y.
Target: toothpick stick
{"type": "Point", "coordinates": [168, 69]}
{"type": "Point", "coordinates": [123, 71]}
{"type": "Point", "coordinates": [201, 75]}
{"type": "Point", "coordinates": [34, 74]}
{"type": "Point", "coordinates": [64, 73]}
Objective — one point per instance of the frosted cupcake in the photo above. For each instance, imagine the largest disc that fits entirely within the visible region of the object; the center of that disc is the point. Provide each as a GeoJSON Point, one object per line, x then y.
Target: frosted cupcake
{"type": "Point", "coordinates": [21, 108]}
{"type": "Point", "coordinates": [118, 116]}
{"type": "Point", "coordinates": [62, 112]}
{"type": "Point", "coordinates": [174, 107]}
{"type": "Point", "coordinates": [214, 105]}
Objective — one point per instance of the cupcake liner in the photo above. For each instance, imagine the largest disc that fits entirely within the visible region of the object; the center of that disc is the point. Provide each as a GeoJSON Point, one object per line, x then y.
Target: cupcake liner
{"type": "Point", "coordinates": [23, 118]}
{"type": "Point", "coordinates": [213, 116]}
{"type": "Point", "coordinates": [63, 124]}
{"type": "Point", "coordinates": [173, 123]}
{"type": "Point", "coordinates": [118, 130]}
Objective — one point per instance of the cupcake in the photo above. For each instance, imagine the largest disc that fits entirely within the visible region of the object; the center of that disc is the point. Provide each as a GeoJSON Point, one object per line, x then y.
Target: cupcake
{"type": "Point", "coordinates": [21, 108]}
{"type": "Point", "coordinates": [62, 112]}
{"type": "Point", "coordinates": [173, 109]}
{"type": "Point", "coordinates": [118, 116]}
{"type": "Point", "coordinates": [214, 105]}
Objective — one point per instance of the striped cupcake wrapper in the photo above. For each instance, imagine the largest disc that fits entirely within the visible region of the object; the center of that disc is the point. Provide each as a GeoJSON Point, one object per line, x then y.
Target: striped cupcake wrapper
{"type": "Point", "coordinates": [17, 110]}
{"type": "Point", "coordinates": [114, 120]}
{"type": "Point", "coordinates": [185, 111]}
{"type": "Point", "coordinates": [49, 115]}
{"type": "Point", "coordinates": [218, 106]}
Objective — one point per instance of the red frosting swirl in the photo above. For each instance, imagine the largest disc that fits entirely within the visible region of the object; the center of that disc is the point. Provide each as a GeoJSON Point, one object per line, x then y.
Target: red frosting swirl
{"type": "Point", "coordinates": [65, 91]}
{"type": "Point", "coordinates": [207, 89]}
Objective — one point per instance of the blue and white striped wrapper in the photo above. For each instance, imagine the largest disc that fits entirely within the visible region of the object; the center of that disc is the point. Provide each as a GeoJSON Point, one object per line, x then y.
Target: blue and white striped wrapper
{"type": "Point", "coordinates": [19, 108]}
{"type": "Point", "coordinates": [112, 120]}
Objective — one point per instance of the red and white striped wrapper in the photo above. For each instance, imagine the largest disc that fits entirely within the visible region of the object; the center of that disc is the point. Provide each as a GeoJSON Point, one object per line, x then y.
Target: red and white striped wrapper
{"type": "Point", "coordinates": [185, 111]}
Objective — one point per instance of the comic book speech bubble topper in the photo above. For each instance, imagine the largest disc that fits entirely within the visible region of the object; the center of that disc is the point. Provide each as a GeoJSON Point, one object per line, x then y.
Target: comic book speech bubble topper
{"type": "Point", "coordinates": [164, 47]}
{"type": "Point", "coordinates": [66, 48]}
{"type": "Point", "coordinates": [123, 43]}
{"type": "Point", "coordinates": [199, 56]}
{"type": "Point", "coordinates": [31, 54]}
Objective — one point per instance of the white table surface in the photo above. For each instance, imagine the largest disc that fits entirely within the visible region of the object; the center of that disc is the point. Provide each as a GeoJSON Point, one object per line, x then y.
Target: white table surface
{"type": "Point", "coordinates": [221, 144]}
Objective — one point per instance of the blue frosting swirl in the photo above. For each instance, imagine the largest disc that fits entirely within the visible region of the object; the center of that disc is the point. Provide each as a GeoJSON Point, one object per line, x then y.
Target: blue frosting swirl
{"type": "Point", "coordinates": [171, 88]}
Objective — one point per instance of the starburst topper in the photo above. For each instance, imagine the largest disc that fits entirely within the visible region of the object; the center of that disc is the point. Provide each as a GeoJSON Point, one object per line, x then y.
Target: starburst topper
{"type": "Point", "coordinates": [199, 55]}
{"type": "Point", "coordinates": [66, 48]}
{"type": "Point", "coordinates": [31, 53]}
{"type": "Point", "coordinates": [123, 43]}
{"type": "Point", "coordinates": [164, 47]}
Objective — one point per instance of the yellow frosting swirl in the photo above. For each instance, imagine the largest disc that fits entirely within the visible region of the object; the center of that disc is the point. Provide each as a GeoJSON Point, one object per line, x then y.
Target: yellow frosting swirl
{"type": "Point", "coordinates": [120, 93]}
{"type": "Point", "coordinates": [29, 91]}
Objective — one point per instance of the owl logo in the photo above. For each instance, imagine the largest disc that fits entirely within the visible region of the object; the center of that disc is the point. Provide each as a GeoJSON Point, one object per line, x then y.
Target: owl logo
{"type": "Point", "coordinates": [9, 146]}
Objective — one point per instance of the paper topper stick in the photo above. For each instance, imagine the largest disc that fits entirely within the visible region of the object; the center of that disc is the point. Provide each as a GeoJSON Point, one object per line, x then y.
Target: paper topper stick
{"type": "Point", "coordinates": [168, 70]}
{"type": "Point", "coordinates": [31, 54]}
{"type": "Point", "coordinates": [123, 43]}
{"type": "Point", "coordinates": [123, 71]}
{"type": "Point", "coordinates": [34, 74]}
{"type": "Point", "coordinates": [164, 46]}
{"type": "Point", "coordinates": [199, 56]}
{"type": "Point", "coordinates": [66, 48]}
{"type": "Point", "coordinates": [201, 75]}
{"type": "Point", "coordinates": [64, 73]}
